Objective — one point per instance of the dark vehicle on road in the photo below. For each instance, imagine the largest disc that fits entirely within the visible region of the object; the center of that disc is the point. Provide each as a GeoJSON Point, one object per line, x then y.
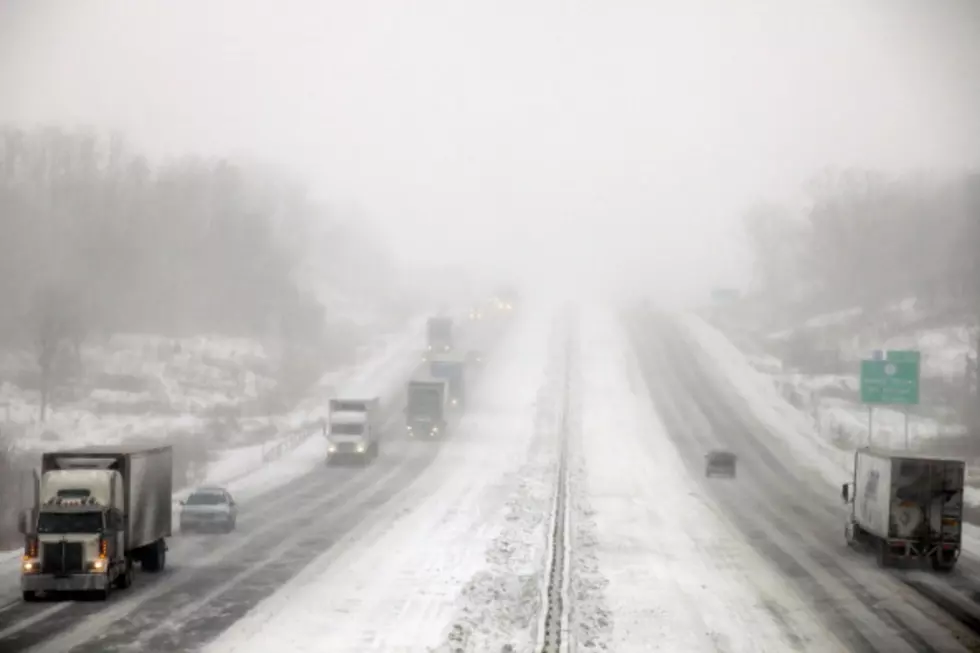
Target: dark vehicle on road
{"type": "Point", "coordinates": [720, 463]}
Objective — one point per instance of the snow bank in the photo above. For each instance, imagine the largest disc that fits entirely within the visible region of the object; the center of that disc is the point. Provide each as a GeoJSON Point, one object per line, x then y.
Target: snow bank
{"type": "Point", "coordinates": [655, 562]}
{"type": "Point", "coordinates": [444, 547]}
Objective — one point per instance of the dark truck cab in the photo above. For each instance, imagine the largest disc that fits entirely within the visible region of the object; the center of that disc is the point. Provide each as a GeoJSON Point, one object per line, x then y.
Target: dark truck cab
{"type": "Point", "coordinates": [426, 408]}
{"type": "Point", "coordinates": [439, 336]}
{"type": "Point", "coordinates": [453, 370]}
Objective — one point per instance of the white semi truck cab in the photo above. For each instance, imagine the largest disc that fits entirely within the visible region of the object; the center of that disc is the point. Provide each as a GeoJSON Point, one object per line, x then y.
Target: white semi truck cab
{"type": "Point", "coordinates": [353, 430]}
{"type": "Point", "coordinates": [97, 511]}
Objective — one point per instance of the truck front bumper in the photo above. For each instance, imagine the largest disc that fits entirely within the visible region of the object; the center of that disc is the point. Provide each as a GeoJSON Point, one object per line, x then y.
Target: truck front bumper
{"type": "Point", "coordinates": [73, 583]}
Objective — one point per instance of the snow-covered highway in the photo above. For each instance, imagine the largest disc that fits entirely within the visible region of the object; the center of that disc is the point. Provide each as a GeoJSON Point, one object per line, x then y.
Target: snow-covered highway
{"type": "Point", "coordinates": [451, 546]}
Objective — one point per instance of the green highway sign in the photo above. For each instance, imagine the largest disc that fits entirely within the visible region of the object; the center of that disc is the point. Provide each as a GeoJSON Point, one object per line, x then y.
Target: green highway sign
{"type": "Point", "coordinates": [894, 380]}
{"type": "Point", "coordinates": [904, 356]}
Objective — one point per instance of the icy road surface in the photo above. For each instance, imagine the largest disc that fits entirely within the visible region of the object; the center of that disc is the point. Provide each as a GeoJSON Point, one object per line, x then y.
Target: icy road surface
{"type": "Point", "coordinates": [404, 580]}
{"type": "Point", "coordinates": [677, 575]}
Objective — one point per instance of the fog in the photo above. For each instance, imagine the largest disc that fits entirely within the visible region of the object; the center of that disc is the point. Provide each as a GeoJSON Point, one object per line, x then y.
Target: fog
{"type": "Point", "coordinates": [611, 142]}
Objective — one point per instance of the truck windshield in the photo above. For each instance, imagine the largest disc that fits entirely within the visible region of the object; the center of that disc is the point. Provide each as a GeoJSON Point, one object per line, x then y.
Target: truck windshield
{"type": "Point", "coordinates": [424, 402]}
{"type": "Point", "coordinates": [346, 429]}
{"type": "Point", "coordinates": [69, 522]}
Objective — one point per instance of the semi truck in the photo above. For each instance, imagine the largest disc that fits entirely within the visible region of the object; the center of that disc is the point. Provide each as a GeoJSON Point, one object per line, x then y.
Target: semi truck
{"type": "Point", "coordinates": [97, 512]}
{"type": "Point", "coordinates": [906, 507]}
{"type": "Point", "coordinates": [426, 408]}
{"type": "Point", "coordinates": [353, 430]}
{"type": "Point", "coordinates": [451, 368]}
{"type": "Point", "coordinates": [439, 336]}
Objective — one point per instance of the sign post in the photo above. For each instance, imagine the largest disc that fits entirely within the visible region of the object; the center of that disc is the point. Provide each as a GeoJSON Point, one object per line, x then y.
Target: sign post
{"type": "Point", "coordinates": [891, 380]}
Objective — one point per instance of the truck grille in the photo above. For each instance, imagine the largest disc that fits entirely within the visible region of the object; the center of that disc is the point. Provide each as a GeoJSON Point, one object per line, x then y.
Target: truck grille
{"type": "Point", "coordinates": [62, 558]}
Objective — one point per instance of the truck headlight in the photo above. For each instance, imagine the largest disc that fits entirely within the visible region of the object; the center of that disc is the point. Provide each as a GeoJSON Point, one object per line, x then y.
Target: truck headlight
{"type": "Point", "coordinates": [360, 448]}
{"type": "Point", "coordinates": [332, 449]}
{"type": "Point", "coordinates": [30, 566]}
{"type": "Point", "coordinates": [98, 565]}
{"type": "Point", "coordinates": [454, 402]}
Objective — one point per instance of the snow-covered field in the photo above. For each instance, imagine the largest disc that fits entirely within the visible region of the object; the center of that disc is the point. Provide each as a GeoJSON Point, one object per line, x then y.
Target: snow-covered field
{"type": "Point", "coordinates": [454, 562]}
{"type": "Point", "coordinates": [678, 576]}
{"type": "Point", "coordinates": [149, 387]}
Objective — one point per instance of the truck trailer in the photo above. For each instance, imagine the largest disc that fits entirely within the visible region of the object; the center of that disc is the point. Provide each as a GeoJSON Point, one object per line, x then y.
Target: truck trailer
{"type": "Point", "coordinates": [451, 368]}
{"type": "Point", "coordinates": [97, 512]}
{"type": "Point", "coordinates": [353, 430]}
{"type": "Point", "coordinates": [906, 507]}
{"type": "Point", "coordinates": [426, 409]}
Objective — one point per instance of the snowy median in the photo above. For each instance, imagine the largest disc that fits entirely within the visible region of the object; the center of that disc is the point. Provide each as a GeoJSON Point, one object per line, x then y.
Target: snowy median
{"type": "Point", "coordinates": [454, 562]}
{"type": "Point", "coordinates": [656, 566]}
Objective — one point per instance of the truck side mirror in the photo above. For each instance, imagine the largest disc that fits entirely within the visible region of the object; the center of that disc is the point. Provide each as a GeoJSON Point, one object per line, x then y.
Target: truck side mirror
{"type": "Point", "coordinates": [845, 492]}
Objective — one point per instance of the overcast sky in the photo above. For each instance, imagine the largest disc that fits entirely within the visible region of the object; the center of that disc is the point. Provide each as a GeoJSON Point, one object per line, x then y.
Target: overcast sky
{"type": "Point", "coordinates": [613, 139]}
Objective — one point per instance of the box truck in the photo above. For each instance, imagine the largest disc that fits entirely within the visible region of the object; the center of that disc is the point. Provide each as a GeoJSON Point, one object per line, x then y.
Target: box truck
{"type": "Point", "coordinates": [906, 506]}
{"type": "Point", "coordinates": [97, 511]}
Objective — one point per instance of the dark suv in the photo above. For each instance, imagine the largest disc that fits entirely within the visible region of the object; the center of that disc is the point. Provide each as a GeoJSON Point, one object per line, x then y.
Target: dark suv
{"type": "Point", "coordinates": [720, 463]}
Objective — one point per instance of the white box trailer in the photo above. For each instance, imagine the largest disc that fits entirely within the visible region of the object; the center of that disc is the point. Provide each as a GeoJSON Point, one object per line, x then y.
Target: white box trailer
{"type": "Point", "coordinates": [906, 507]}
{"type": "Point", "coordinates": [353, 429]}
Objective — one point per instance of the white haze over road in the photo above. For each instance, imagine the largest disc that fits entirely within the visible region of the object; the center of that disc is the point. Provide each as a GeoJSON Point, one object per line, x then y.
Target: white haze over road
{"type": "Point", "coordinates": [611, 140]}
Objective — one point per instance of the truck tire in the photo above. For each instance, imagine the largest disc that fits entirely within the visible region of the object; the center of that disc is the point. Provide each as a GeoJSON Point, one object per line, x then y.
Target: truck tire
{"type": "Point", "coordinates": [154, 557]}
{"type": "Point", "coordinates": [125, 579]}
{"type": "Point", "coordinates": [941, 564]}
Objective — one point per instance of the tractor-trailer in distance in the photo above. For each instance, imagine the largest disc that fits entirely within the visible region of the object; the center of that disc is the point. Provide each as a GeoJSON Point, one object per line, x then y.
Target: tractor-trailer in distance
{"type": "Point", "coordinates": [439, 336]}
{"type": "Point", "coordinates": [426, 408]}
{"type": "Point", "coordinates": [353, 430]}
{"type": "Point", "coordinates": [451, 368]}
{"type": "Point", "coordinates": [906, 507]}
{"type": "Point", "coordinates": [97, 512]}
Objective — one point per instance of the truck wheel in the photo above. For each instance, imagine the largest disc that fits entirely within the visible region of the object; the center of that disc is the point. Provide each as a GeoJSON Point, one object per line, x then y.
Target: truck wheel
{"type": "Point", "coordinates": [125, 579]}
{"type": "Point", "coordinates": [154, 557]}
{"type": "Point", "coordinates": [29, 596]}
{"type": "Point", "coordinates": [942, 565]}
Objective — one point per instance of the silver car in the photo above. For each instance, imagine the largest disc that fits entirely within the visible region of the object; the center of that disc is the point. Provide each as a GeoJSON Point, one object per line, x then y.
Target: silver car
{"type": "Point", "coordinates": [208, 509]}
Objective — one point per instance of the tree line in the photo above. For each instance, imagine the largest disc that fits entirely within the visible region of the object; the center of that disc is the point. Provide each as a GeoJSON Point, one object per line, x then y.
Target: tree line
{"type": "Point", "coordinates": [865, 238]}
{"type": "Point", "coordinates": [97, 239]}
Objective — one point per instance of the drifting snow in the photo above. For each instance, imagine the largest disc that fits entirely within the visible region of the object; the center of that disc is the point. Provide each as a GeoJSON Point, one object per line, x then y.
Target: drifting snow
{"type": "Point", "coordinates": [451, 560]}
{"type": "Point", "coordinates": [680, 576]}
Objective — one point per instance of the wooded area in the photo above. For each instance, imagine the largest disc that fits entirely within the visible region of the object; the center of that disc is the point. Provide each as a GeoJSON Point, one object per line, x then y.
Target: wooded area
{"type": "Point", "coordinates": [867, 239]}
